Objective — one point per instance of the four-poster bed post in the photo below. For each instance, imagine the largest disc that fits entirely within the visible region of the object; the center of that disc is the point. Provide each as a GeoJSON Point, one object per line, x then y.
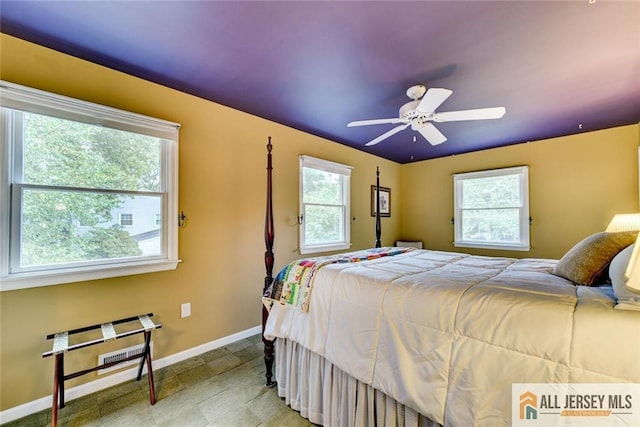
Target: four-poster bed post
{"type": "Point", "coordinates": [268, 263]}
{"type": "Point", "coordinates": [269, 258]}
{"type": "Point", "coordinates": [378, 226]}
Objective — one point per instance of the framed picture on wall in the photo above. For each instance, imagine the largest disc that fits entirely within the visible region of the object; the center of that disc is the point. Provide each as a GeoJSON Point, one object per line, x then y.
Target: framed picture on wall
{"type": "Point", "coordinates": [385, 201]}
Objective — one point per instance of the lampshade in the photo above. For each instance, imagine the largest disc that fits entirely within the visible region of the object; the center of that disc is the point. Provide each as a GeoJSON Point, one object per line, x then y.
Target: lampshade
{"type": "Point", "coordinates": [632, 272]}
{"type": "Point", "coordinates": [624, 222]}
{"type": "Point", "coordinates": [629, 222]}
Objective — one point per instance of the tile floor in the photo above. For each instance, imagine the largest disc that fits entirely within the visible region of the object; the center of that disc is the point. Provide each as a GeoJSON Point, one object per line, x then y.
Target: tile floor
{"type": "Point", "coordinates": [224, 387]}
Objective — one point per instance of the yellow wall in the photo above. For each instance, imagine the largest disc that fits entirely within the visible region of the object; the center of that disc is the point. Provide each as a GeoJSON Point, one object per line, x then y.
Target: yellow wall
{"type": "Point", "coordinates": [222, 192]}
{"type": "Point", "coordinates": [576, 184]}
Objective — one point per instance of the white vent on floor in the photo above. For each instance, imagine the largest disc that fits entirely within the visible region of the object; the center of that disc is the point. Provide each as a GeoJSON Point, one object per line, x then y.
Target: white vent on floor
{"type": "Point", "coordinates": [121, 355]}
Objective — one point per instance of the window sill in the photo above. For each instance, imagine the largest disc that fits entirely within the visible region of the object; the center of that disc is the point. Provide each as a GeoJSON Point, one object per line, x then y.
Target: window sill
{"type": "Point", "coordinates": [34, 280]}
{"type": "Point", "coordinates": [496, 246]}
{"type": "Point", "coordinates": [324, 248]}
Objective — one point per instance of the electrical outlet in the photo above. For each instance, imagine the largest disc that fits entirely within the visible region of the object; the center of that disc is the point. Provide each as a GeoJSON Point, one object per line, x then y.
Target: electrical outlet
{"type": "Point", "coordinates": [185, 310]}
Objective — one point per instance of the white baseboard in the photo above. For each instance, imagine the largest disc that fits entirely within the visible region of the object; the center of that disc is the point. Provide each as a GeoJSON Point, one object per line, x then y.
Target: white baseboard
{"type": "Point", "coordinates": [37, 405]}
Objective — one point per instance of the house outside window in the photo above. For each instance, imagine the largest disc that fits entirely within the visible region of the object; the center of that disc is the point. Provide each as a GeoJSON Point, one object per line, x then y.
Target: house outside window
{"type": "Point", "coordinates": [76, 175]}
{"type": "Point", "coordinates": [324, 205]}
{"type": "Point", "coordinates": [491, 209]}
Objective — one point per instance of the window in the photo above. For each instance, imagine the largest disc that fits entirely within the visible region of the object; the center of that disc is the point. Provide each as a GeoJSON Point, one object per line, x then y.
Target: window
{"type": "Point", "coordinates": [324, 205]}
{"type": "Point", "coordinates": [157, 220]}
{"type": "Point", "coordinates": [491, 209]}
{"type": "Point", "coordinates": [126, 220]}
{"type": "Point", "coordinates": [76, 175]}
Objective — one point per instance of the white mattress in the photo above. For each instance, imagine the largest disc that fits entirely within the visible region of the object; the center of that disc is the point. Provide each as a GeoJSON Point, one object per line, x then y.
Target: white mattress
{"type": "Point", "coordinates": [448, 333]}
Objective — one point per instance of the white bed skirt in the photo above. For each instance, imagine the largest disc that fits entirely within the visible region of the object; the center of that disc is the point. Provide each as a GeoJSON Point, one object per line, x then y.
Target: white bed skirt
{"type": "Point", "coordinates": [325, 395]}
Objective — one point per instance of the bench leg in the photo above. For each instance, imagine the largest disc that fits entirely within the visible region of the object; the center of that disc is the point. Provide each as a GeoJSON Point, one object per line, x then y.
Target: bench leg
{"type": "Point", "coordinates": [146, 357]}
{"type": "Point", "coordinates": [152, 389]}
{"type": "Point", "coordinates": [58, 388]}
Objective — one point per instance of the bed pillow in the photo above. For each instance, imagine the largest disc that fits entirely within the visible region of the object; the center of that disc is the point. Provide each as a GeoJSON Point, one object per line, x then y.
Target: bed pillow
{"type": "Point", "coordinates": [627, 300]}
{"type": "Point", "coordinates": [586, 263]}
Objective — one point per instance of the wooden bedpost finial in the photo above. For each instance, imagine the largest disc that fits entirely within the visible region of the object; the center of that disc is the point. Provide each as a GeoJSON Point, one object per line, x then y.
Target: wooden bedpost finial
{"type": "Point", "coordinates": [269, 146]}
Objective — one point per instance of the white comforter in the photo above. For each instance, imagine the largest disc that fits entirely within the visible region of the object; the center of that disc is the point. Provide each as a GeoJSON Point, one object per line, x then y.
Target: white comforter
{"type": "Point", "coordinates": [447, 334]}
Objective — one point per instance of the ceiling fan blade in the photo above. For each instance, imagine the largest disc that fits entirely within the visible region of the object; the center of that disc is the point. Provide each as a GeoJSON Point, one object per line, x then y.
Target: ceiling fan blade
{"type": "Point", "coordinates": [432, 99]}
{"type": "Point", "coordinates": [478, 114]}
{"type": "Point", "coordinates": [432, 134]}
{"type": "Point", "coordinates": [387, 134]}
{"type": "Point", "coordinates": [373, 122]}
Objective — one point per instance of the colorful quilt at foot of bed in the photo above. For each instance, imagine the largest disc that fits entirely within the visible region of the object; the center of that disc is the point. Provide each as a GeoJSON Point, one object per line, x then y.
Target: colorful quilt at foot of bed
{"type": "Point", "coordinates": [293, 284]}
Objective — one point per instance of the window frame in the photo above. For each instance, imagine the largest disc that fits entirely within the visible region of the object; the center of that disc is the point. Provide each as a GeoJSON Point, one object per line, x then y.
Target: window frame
{"type": "Point", "coordinates": [345, 172]}
{"type": "Point", "coordinates": [22, 98]}
{"type": "Point", "coordinates": [524, 223]}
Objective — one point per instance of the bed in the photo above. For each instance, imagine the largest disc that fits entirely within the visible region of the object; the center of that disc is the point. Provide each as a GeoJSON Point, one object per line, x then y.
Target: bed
{"type": "Point", "coordinates": [402, 336]}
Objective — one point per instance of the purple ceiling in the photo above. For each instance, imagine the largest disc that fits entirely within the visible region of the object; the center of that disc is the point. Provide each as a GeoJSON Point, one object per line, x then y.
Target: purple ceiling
{"type": "Point", "coordinates": [558, 68]}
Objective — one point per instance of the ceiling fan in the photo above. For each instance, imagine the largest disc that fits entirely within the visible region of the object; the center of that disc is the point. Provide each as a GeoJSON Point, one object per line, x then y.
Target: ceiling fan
{"type": "Point", "coordinates": [419, 113]}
